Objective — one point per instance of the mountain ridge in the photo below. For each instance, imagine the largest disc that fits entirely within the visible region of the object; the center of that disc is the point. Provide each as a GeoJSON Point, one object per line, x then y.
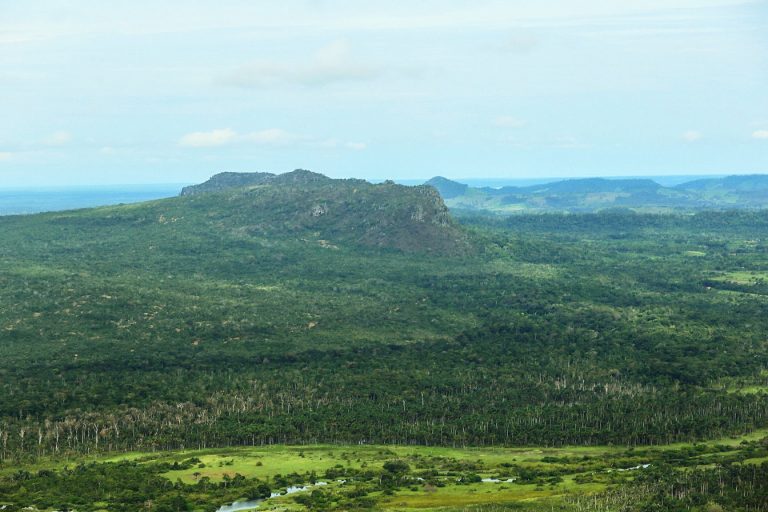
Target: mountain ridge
{"type": "Point", "coordinates": [595, 194]}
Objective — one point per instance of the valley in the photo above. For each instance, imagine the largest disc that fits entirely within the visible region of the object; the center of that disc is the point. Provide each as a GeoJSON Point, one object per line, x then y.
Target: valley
{"type": "Point", "coordinates": [386, 477]}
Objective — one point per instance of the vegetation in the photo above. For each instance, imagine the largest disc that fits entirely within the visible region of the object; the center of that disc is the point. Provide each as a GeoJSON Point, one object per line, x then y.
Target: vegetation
{"type": "Point", "coordinates": [721, 475]}
{"type": "Point", "coordinates": [307, 310]}
{"type": "Point", "coordinates": [596, 194]}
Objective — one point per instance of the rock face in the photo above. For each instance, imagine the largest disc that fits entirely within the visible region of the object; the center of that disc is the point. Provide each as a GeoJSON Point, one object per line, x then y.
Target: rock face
{"type": "Point", "coordinates": [307, 205]}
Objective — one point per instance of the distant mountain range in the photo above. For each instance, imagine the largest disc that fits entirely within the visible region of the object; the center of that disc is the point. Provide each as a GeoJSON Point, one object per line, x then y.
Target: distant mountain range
{"type": "Point", "coordinates": [595, 194]}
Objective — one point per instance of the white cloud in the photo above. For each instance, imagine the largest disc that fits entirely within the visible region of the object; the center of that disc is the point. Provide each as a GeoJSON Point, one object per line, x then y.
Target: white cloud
{"type": "Point", "coordinates": [5, 156]}
{"type": "Point", "coordinates": [509, 122]}
{"type": "Point", "coordinates": [760, 134]}
{"type": "Point", "coordinates": [268, 137]}
{"type": "Point", "coordinates": [59, 138]}
{"type": "Point", "coordinates": [691, 136]}
{"type": "Point", "coordinates": [331, 63]}
{"type": "Point", "coordinates": [208, 139]}
{"type": "Point", "coordinates": [271, 136]}
{"type": "Point", "coordinates": [28, 21]}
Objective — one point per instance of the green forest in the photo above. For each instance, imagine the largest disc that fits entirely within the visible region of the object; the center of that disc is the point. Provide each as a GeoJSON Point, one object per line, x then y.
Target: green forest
{"type": "Point", "coordinates": [316, 312]}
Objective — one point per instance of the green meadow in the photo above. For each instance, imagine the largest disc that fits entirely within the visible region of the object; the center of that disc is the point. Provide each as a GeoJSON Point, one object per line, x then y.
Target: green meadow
{"type": "Point", "coordinates": [388, 477]}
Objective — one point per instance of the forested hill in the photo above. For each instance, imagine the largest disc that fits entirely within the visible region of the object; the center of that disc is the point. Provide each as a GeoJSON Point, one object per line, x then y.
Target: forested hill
{"type": "Point", "coordinates": [306, 310]}
{"type": "Point", "coordinates": [596, 194]}
{"type": "Point", "coordinates": [228, 180]}
{"type": "Point", "coordinates": [308, 205]}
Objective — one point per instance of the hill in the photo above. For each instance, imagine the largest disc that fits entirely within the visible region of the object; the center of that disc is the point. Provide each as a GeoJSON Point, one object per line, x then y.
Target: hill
{"type": "Point", "coordinates": [304, 310]}
{"type": "Point", "coordinates": [595, 194]}
{"type": "Point", "coordinates": [740, 191]}
{"type": "Point", "coordinates": [309, 205]}
{"type": "Point", "coordinates": [447, 188]}
{"type": "Point", "coordinates": [228, 180]}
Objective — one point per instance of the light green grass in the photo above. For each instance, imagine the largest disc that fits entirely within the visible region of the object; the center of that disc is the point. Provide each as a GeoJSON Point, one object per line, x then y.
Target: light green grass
{"type": "Point", "coordinates": [283, 460]}
{"type": "Point", "coordinates": [522, 269]}
{"type": "Point", "coordinates": [756, 460]}
{"type": "Point", "coordinates": [265, 462]}
{"type": "Point", "coordinates": [724, 441]}
{"type": "Point", "coordinates": [750, 390]}
{"type": "Point", "coordinates": [462, 495]}
{"type": "Point", "coordinates": [748, 278]}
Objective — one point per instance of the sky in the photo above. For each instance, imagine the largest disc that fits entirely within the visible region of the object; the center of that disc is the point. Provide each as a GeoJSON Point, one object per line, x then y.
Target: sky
{"type": "Point", "coordinates": [140, 91]}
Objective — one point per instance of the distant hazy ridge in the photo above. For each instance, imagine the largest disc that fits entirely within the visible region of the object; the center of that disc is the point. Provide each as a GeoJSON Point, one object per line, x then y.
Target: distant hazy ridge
{"type": "Point", "coordinates": [594, 194]}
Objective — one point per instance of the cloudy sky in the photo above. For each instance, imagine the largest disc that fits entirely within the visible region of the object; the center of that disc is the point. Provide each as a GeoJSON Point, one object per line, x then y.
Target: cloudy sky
{"type": "Point", "coordinates": [129, 92]}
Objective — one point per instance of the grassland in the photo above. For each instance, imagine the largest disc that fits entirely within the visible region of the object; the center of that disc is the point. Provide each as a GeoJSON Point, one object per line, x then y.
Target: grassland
{"type": "Point", "coordinates": [743, 277]}
{"type": "Point", "coordinates": [431, 479]}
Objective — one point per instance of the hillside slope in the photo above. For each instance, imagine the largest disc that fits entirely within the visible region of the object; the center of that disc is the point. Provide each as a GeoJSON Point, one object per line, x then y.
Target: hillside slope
{"type": "Point", "coordinates": [595, 194]}
{"type": "Point", "coordinates": [307, 310]}
{"type": "Point", "coordinates": [740, 191]}
{"type": "Point", "coordinates": [227, 180]}
{"type": "Point", "coordinates": [306, 204]}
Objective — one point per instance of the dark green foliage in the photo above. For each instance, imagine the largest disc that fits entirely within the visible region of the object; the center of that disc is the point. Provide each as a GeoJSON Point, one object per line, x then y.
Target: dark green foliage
{"type": "Point", "coordinates": [125, 486]}
{"type": "Point", "coordinates": [239, 317]}
{"type": "Point", "coordinates": [228, 180]}
{"type": "Point", "coordinates": [732, 487]}
{"type": "Point", "coordinates": [397, 467]}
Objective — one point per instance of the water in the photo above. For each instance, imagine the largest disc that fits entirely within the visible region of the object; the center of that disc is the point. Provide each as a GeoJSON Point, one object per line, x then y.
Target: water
{"type": "Point", "coordinates": [14, 201]}
{"type": "Point", "coordinates": [254, 504]}
{"type": "Point", "coordinates": [240, 505]}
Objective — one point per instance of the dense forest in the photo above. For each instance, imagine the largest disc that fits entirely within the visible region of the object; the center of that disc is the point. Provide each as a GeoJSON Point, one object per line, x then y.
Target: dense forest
{"type": "Point", "coordinates": [140, 326]}
{"type": "Point", "coordinates": [322, 311]}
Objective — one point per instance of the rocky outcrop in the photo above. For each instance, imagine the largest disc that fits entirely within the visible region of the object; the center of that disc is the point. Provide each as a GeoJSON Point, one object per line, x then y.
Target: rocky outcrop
{"type": "Point", "coordinates": [307, 205]}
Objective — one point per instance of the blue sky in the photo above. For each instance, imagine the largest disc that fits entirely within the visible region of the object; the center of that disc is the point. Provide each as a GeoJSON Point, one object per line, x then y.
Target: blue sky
{"type": "Point", "coordinates": [95, 92]}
